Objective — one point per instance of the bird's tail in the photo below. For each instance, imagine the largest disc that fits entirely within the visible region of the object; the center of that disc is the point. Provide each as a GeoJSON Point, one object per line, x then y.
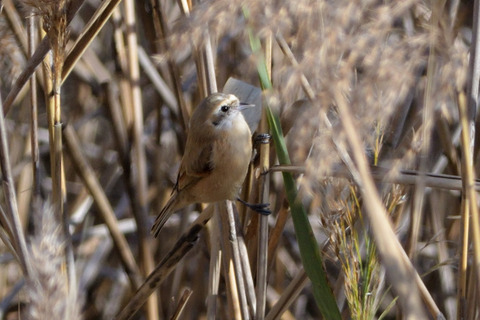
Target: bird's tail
{"type": "Point", "coordinates": [164, 214]}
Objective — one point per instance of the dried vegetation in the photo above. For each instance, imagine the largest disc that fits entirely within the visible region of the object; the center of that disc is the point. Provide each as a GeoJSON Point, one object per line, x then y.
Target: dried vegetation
{"type": "Point", "coordinates": [377, 101]}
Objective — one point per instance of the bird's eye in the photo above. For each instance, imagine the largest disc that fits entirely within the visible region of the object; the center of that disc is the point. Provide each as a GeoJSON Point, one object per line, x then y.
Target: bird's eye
{"type": "Point", "coordinates": [224, 108]}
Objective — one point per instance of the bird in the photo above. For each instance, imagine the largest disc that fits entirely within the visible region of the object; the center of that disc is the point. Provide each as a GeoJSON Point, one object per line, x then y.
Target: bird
{"type": "Point", "coordinates": [216, 158]}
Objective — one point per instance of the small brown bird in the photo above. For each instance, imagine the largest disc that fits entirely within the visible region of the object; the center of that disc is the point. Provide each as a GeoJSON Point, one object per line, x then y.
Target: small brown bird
{"type": "Point", "coordinates": [216, 158]}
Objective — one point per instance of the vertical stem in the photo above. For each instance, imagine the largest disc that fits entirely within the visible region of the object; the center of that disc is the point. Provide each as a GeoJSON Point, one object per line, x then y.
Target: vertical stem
{"type": "Point", "coordinates": [469, 184]}
{"type": "Point", "coordinates": [207, 55]}
{"type": "Point", "coordinates": [139, 152]}
{"type": "Point", "coordinates": [56, 145]}
{"type": "Point", "coordinates": [163, 32]}
{"type": "Point", "coordinates": [262, 253]}
{"type": "Point", "coordinates": [31, 21]}
{"type": "Point", "coordinates": [11, 201]}
{"type": "Point", "coordinates": [214, 268]}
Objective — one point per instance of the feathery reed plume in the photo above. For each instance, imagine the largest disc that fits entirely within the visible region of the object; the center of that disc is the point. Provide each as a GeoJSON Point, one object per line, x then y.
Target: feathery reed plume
{"type": "Point", "coordinates": [48, 294]}
{"type": "Point", "coordinates": [12, 61]}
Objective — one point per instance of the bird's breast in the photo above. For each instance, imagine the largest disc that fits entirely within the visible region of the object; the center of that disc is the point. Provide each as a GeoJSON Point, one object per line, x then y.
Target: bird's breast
{"type": "Point", "coordinates": [231, 155]}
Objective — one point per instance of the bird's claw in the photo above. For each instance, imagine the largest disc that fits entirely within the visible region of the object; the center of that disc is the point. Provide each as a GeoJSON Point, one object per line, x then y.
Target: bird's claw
{"type": "Point", "coordinates": [261, 208]}
{"type": "Point", "coordinates": [262, 138]}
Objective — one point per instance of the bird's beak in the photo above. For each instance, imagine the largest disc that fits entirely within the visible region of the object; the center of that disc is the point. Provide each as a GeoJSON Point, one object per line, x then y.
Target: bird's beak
{"type": "Point", "coordinates": [244, 105]}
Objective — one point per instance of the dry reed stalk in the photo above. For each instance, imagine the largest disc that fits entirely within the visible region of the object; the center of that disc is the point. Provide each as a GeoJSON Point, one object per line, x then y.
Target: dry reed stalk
{"type": "Point", "coordinates": [163, 90]}
{"type": "Point", "coordinates": [447, 277]}
{"type": "Point", "coordinates": [426, 131]}
{"type": "Point", "coordinates": [262, 251]}
{"type": "Point", "coordinates": [118, 124]}
{"type": "Point", "coordinates": [183, 245]}
{"type": "Point", "coordinates": [24, 181]}
{"type": "Point", "coordinates": [231, 262]}
{"type": "Point", "coordinates": [187, 293]}
{"type": "Point", "coordinates": [32, 43]}
{"type": "Point", "coordinates": [404, 177]}
{"type": "Point", "coordinates": [469, 119]}
{"type": "Point", "coordinates": [24, 185]}
{"type": "Point", "coordinates": [93, 27]}
{"type": "Point", "coordinates": [467, 308]}
{"type": "Point", "coordinates": [36, 58]}
{"type": "Point", "coordinates": [54, 15]}
{"type": "Point", "coordinates": [141, 181]}
{"type": "Point", "coordinates": [16, 23]}
{"type": "Point", "coordinates": [468, 171]}
{"type": "Point", "coordinates": [209, 65]}
{"type": "Point", "coordinates": [263, 192]}
{"type": "Point", "coordinates": [120, 46]}
{"type": "Point", "coordinates": [214, 266]}
{"type": "Point", "coordinates": [289, 295]}
{"type": "Point", "coordinates": [401, 273]}
{"type": "Point", "coordinates": [275, 234]}
{"type": "Point", "coordinates": [246, 267]}
{"type": "Point", "coordinates": [87, 174]}
{"type": "Point", "coordinates": [163, 32]}
{"type": "Point", "coordinates": [342, 44]}
{"type": "Point", "coordinates": [10, 221]}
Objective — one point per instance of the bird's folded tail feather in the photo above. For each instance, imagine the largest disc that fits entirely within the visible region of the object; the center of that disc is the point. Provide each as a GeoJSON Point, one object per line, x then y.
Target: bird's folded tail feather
{"type": "Point", "coordinates": [163, 216]}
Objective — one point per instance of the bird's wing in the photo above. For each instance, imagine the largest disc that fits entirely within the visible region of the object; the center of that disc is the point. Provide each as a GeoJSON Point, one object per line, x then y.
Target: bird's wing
{"type": "Point", "coordinates": [198, 167]}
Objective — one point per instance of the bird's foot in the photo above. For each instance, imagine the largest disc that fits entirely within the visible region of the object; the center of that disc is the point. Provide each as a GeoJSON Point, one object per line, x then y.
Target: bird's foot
{"type": "Point", "coordinates": [262, 208]}
{"type": "Point", "coordinates": [262, 138]}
